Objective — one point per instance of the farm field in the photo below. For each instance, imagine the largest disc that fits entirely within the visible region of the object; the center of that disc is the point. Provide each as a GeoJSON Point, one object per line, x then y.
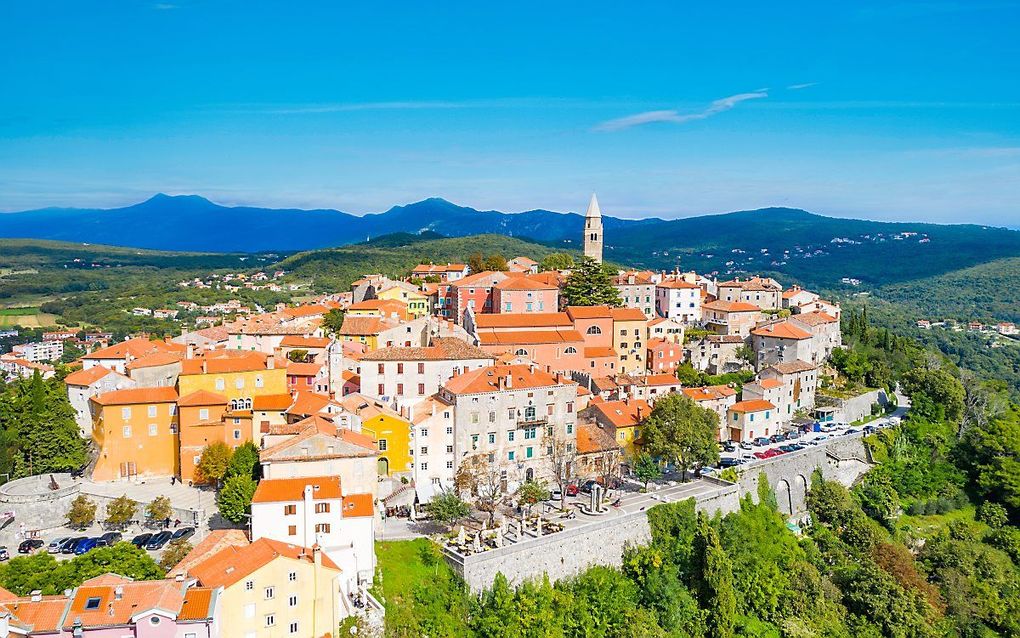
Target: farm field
{"type": "Point", "coordinates": [29, 317]}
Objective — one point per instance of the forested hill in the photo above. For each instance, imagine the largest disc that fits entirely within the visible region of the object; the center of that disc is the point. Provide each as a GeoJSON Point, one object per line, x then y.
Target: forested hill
{"type": "Point", "coordinates": [812, 249]}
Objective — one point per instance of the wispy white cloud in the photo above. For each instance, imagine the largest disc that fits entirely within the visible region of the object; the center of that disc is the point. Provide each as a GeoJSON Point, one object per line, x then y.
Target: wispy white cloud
{"type": "Point", "coordinates": [676, 117]}
{"type": "Point", "coordinates": [806, 85]}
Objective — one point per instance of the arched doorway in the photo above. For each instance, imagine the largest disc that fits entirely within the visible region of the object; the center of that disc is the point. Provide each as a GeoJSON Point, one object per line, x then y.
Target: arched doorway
{"type": "Point", "coordinates": [383, 466]}
{"type": "Point", "coordinates": [529, 474]}
{"type": "Point", "coordinates": [784, 496]}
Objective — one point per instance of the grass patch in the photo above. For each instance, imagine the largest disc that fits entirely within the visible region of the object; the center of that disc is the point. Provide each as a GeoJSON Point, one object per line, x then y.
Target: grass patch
{"type": "Point", "coordinates": [927, 525]}
{"type": "Point", "coordinates": [422, 595]}
{"type": "Point", "coordinates": [18, 312]}
{"type": "Point", "coordinates": [33, 319]}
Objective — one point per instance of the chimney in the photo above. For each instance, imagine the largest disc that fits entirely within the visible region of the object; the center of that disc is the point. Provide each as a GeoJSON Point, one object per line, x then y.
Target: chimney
{"type": "Point", "coordinates": [118, 592]}
{"type": "Point", "coordinates": [270, 362]}
{"type": "Point", "coordinates": [191, 350]}
{"type": "Point", "coordinates": [630, 278]}
{"type": "Point", "coordinates": [317, 555]}
{"type": "Point", "coordinates": [205, 366]}
{"type": "Point", "coordinates": [509, 382]}
{"type": "Point", "coordinates": [36, 595]}
{"type": "Point", "coordinates": [639, 413]}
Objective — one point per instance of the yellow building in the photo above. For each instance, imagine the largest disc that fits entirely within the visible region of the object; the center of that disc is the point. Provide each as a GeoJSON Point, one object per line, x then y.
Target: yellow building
{"type": "Point", "coordinates": [135, 431]}
{"type": "Point", "coordinates": [365, 329]}
{"type": "Point", "coordinates": [273, 589]}
{"type": "Point", "coordinates": [239, 376]}
{"type": "Point", "coordinates": [630, 332]}
{"type": "Point", "coordinates": [417, 302]}
{"type": "Point", "coordinates": [625, 417]}
{"type": "Point", "coordinates": [390, 431]}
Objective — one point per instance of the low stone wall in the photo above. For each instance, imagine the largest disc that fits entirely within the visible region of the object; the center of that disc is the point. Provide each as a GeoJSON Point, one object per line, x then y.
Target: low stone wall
{"type": "Point", "coordinates": [858, 407]}
{"type": "Point", "coordinates": [602, 542]}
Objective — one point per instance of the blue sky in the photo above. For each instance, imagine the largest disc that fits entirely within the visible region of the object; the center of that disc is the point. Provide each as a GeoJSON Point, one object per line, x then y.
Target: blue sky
{"type": "Point", "coordinates": [880, 110]}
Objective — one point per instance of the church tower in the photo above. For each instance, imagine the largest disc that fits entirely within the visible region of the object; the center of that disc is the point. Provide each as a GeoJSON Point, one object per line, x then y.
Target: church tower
{"type": "Point", "coordinates": [593, 230]}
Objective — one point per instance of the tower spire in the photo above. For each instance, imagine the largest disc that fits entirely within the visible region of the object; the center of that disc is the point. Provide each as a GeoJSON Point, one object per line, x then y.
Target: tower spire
{"type": "Point", "coordinates": [593, 230]}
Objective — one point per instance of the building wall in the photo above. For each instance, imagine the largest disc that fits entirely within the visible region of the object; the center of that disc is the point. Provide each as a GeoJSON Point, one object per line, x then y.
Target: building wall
{"type": "Point", "coordinates": [236, 385]}
{"type": "Point", "coordinates": [419, 379]}
{"type": "Point", "coordinates": [682, 304]}
{"type": "Point", "coordinates": [357, 475]}
{"type": "Point", "coordinates": [144, 436]}
{"type": "Point", "coordinates": [525, 300]}
{"type": "Point", "coordinates": [629, 342]}
{"type": "Point", "coordinates": [392, 435]}
{"type": "Point", "coordinates": [640, 296]}
{"type": "Point", "coordinates": [747, 426]}
{"type": "Point", "coordinates": [79, 397]}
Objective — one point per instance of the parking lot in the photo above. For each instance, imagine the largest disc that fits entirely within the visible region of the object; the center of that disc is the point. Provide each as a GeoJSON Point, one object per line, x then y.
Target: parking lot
{"type": "Point", "coordinates": [94, 537]}
{"type": "Point", "coordinates": [750, 453]}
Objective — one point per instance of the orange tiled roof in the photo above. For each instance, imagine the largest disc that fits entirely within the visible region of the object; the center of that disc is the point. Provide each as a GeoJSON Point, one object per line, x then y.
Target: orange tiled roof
{"type": "Point", "coordinates": [308, 403]}
{"type": "Point", "coordinates": [439, 268]}
{"type": "Point", "coordinates": [598, 352]}
{"type": "Point", "coordinates": [753, 405]}
{"type": "Point", "coordinates": [677, 284]}
{"type": "Point", "coordinates": [524, 283]}
{"type": "Point", "coordinates": [310, 310]}
{"type": "Point", "coordinates": [362, 326]}
{"type": "Point", "coordinates": [232, 564]}
{"type": "Point", "coordinates": [214, 541]}
{"type": "Point", "coordinates": [791, 367]}
{"type": "Point", "coordinates": [155, 359]}
{"type": "Point", "coordinates": [491, 379]}
{"type": "Point", "coordinates": [303, 369]}
{"type": "Point", "coordinates": [589, 312]}
{"type": "Point", "coordinates": [782, 330]}
{"type": "Point", "coordinates": [293, 489]}
{"type": "Point", "coordinates": [134, 348]}
{"type": "Point", "coordinates": [87, 377]}
{"type": "Point", "coordinates": [357, 505]}
{"type": "Point", "coordinates": [270, 402]}
{"type": "Point", "coordinates": [628, 314]}
{"type": "Point", "coordinates": [815, 318]}
{"type": "Point", "coordinates": [443, 349]}
{"type": "Point", "coordinates": [136, 395]}
{"type": "Point", "coordinates": [661, 379]}
{"type": "Point", "coordinates": [201, 397]}
{"type": "Point", "coordinates": [224, 361]}
{"type": "Point", "coordinates": [40, 617]}
{"type": "Point", "coordinates": [136, 597]}
{"type": "Point", "coordinates": [730, 306]}
{"type": "Point", "coordinates": [197, 604]}
{"type": "Point", "coordinates": [484, 279]}
{"type": "Point", "coordinates": [592, 439]}
{"type": "Point", "coordinates": [709, 393]}
{"type": "Point", "coordinates": [770, 384]}
{"type": "Point", "coordinates": [624, 414]}
{"type": "Point", "coordinates": [299, 341]}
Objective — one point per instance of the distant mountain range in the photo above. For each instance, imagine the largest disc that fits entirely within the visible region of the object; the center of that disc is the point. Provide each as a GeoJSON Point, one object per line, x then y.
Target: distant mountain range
{"type": "Point", "coordinates": [807, 247]}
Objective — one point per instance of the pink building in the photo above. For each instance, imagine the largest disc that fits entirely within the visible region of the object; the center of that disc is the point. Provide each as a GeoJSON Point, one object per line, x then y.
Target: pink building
{"type": "Point", "coordinates": [595, 323]}
{"type": "Point", "coordinates": [521, 294]}
{"type": "Point", "coordinates": [475, 292]}
{"type": "Point", "coordinates": [664, 355]}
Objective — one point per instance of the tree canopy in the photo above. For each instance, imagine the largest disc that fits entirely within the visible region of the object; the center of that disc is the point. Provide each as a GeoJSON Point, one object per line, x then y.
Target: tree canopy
{"type": "Point", "coordinates": [681, 432]}
{"type": "Point", "coordinates": [591, 284]}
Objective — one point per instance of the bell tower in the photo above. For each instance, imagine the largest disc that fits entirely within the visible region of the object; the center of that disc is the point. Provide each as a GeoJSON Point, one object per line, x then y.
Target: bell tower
{"type": "Point", "coordinates": [593, 230]}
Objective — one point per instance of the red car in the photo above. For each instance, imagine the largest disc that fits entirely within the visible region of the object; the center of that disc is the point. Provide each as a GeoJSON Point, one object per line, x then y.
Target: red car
{"type": "Point", "coordinates": [571, 490]}
{"type": "Point", "coordinates": [761, 455]}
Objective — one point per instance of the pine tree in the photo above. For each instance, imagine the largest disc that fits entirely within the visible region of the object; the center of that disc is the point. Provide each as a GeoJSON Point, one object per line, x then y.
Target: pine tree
{"type": "Point", "coordinates": [591, 284]}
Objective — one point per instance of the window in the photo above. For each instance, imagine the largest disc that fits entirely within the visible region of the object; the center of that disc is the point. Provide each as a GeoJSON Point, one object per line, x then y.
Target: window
{"type": "Point", "coordinates": [289, 510]}
{"type": "Point", "coordinates": [529, 413]}
{"type": "Point", "coordinates": [239, 383]}
{"type": "Point", "coordinates": [510, 455]}
{"type": "Point", "coordinates": [421, 388]}
{"type": "Point", "coordinates": [152, 411]}
{"type": "Point", "coordinates": [292, 530]}
{"type": "Point", "coordinates": [521, 352]}
{"type": "Point", "coordinates": [293, 627]}
{"type": "Point", "coordinates": [292, 576]}
{"type": "Point", "coordinates": [421, 368]}
{"type": "Point", "coordinates": [530, 433]}
{"type": "Point", "coordinates": [322, 528]}
{"type": "Point", "coordinates": [529, 452]}
{"type": "Point", "coordinates": [424, 450]}
{"type": "Point", "coordinates": [449, 465]}
{"type": "Point", "coordinates": [570, 350]}
{"type": "Point", "coordinates": [510, 436]}
{"type": "Point", "coordinates": [449, 449]}
{"type": "Point", "coordinates": [203, 414]}
{"type": "Point", "coordinates": [382, 445]}
{"type": "Point", "coordinates": [292, 601]}
{"type": "Point", "coordinates": [492, 438]}
{"type": "Point", "coordinates": [400, 389]}
{"type": "Point", "coordinates": [423, 466]}
{"type": "Point", "coordinates": [127, 432]}
{"type": "Point", "coordinates": [570, 407]}
{"type": "Point", "coordinates": [270, 592]}
{"type": "Point", "coordinates": [593, 330]}
{"type": "Point", "coordinates": [191, 634]}
{"type": "Point", "coordinates": [220, 384]}
{"type": "Point", "coordinates": [153, 429]}
{"type": "Point", "coordinates": [381, 389]}
{"type": "Point", "coordinates": [93, 602]}
{"type": "Point", "coordinates": [474, 441]}
{"type": "Point", "coordinates": [237, 435]}
{"type": "Point", "coordinates": [125, 413]}
{"type": "Point", "coordinates": [270, 620]}
{"type": "Point", "coordinates": [322, 508]}
{"type": "Point", "coordinates": [570, 428]}
{"type": "Point", "coordinates": [258, 382]}
{"type": "Point", "coordinates": [249, 585]}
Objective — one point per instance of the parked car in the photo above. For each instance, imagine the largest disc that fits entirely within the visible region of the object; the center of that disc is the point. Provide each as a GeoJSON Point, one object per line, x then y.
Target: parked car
{"type": "Point", "coordinates": [54, 546]}
{"type": "Point", "coordinates": [555, 494]}
{"type": "Point", "coordinates": [744, 445]}
{"type": "Point", "coordinates": [86, 545]}
{"type": "Point", "coordinates": [183, 533]}
{"type": "Point", "coordinates": [788, 448]}
{"type": "Point", "coordinates": [159, 540]}
{"type": "Point", "coordinates": [894, 420]}
{"type": "Point", "coordinates": [869, 429]}
{"type": "Point", "coordinates": [760, 441]}
{"type": "Point", "coordinates": [820, 439]}
{"type": "Point", "coordinates": [572, 490]}
{"type": "Point", "coordinates": [111, 538]}
{"type": "Point", "coordinates": [4, 554]}
{"type": "Point", "coordinates": [728, 461]}
{"type": "Point", "coordinates": [29, 545]}
{"type": "Point", "coordinates": [141, 540]}
{"type": "Point", "coordinates": [729, 446]}
{"type": "Point", "coordinates": [68, 547]}
{"type": "Point", "coordinates": [586, 488]}
{"type": "Point", "coordinates": [793, 434]}
{"type": "Point", "coordinates": [850, 431]}
{"type": "Point", "coordinates": [761, 455]}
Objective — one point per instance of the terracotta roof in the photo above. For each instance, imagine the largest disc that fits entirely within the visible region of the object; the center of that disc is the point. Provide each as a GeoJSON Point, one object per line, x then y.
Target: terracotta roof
{"type": "Point", "coordinates": [442, 349]}
{"type": "Point", "coordinates": [661, 379]}
{"type": "Point", "coordinates": [484, 279]}
{"type": "Point", "coordinates": [815, 318]}
{"type": "Point", "coordinates": [791, 367]}
{"type": "Point", "coordinates": [492, 379]}
{"type": "Point", "coordinates": [770, 384]}
{"type": "Point", "coordinates": [305, 311]}
{"type": "Point", "coordinates": [592, 439]}
{"type": "Point", "coordinates": [754, 283]}
{"type": "Point", "coordinates": [213, 542]}
{"type": "Point", "coordinates": [439, 268]}
{"type": "Point", "coordinates": [197, 604]}
{"type": "Point", "coordinates": [383, 306]}
{"type": "Point", "coordinates": [677, 284]}
{"type": "Point", "coordinates": [623, 414]}
{"type": "Point", "coordinates": [524, 283]}
{"type": "Point", "coordinates": [367, 407]}
{"type": "Point", "coordinates": [362, 326]}
{"type": "Point", "coordinates": [39, 617]}
{"type": "Point", "coordinates": [529, 337]}
{"type": "Point", "coordinates": [628, 314]}
{"type": "Point", "coordinates": [316, 440]}
{"type": "Point", "coordinates": [308, 403]}
{"type": "Point", "coordinates": [87, 377]}
{"type": "Point", "coordinates": [134, 348]}
{"type": "Point", "coordinates": [730, 306]}
{"type": "Point", "coordinates": [225, 361]}
{"type": "Point", "coordinates": [357, 505]}
{"type": "Point", "coordinates": [640, 279]}
{"type": "Point", "coordinates": [303, 369]}
{"type": "Point", "coordinates": [135, 597]}
{"type": "Point", "coordinates": [299, 341]}
{"type": "Point", "coordinates": [271, 402]}
{"type": "Point", "coordinates": [155, 359]}
{"type": "Point", "coordinates": [709, 393]}
{"type": "Point", "coordinates": [589, 312]}
{"type": "Point", "coordinates": [753, 405]}
{"type": "Point", "coordinates": [6, 594]}
{"type": "Point", "coordinates": [550, 277]}
{"type": "Point", "coordinates": [202, 397]}
{"type": "Point", "coordinates": [233, 564]}
{"type": "Point", "coordinates": [293, 489]}
{"type": "Point", "coordinates": [598, 352]}
{"type": "Point", "coordinates": [523, 320]}
{"type": "Point", "coordinates": [137, 395]}
{"type": "Point", "coordinates": [781, 330]}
